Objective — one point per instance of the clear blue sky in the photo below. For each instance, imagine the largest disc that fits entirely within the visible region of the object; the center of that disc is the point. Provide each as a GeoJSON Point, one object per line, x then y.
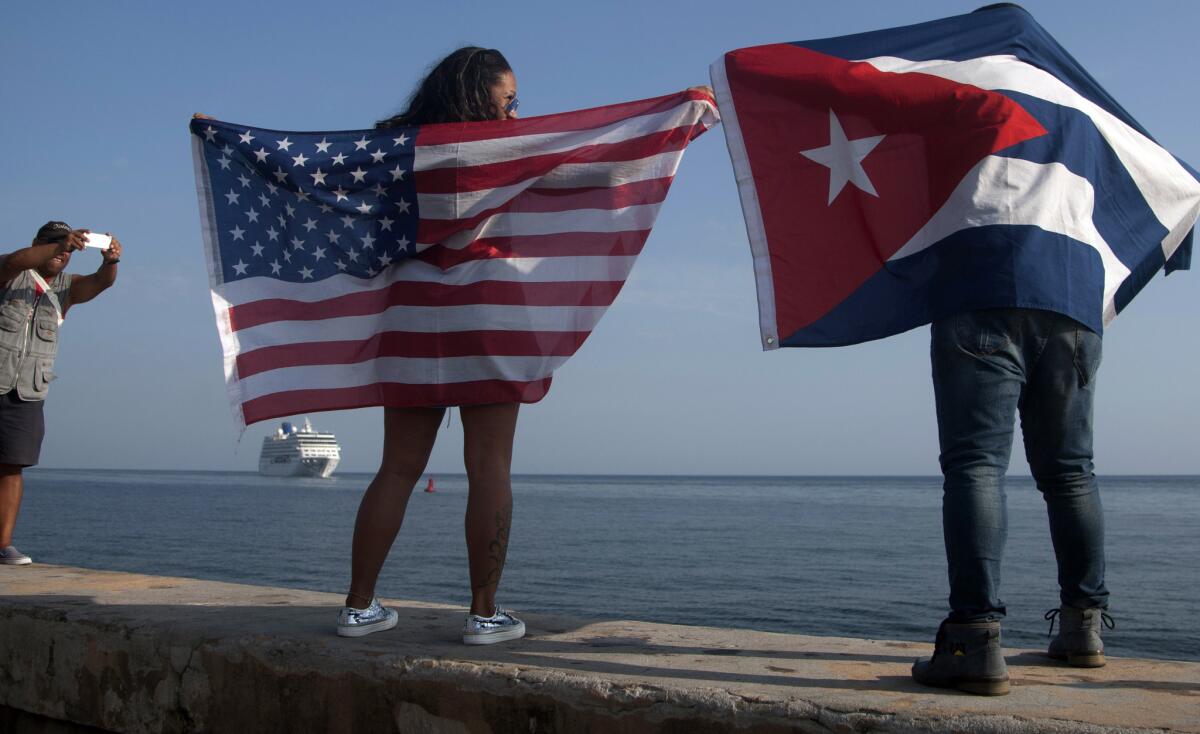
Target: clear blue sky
{"type": "Point", "coordinates": [96, 100]}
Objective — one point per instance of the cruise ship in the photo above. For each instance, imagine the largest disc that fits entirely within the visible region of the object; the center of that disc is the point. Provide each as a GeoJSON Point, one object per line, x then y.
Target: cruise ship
{"type": "Point", "coordinates": [299, 452]}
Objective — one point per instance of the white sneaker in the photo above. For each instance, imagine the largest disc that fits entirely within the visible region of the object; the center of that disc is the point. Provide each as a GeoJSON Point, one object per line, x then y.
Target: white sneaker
{"type": "Point", "coordinates": [358, 622]}
{"type": "Point", "coordinates": [499, 627]}
{"type": "Point", "coordinates": [10, 556]}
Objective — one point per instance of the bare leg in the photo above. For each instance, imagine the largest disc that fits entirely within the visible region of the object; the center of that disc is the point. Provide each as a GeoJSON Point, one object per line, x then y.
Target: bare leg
{"type": "Point", "coordinates": [487, 448]}
{"type": "Point", "coordinates": [12, 487]}
{"type": "Point", "coordinates": [408, 436]}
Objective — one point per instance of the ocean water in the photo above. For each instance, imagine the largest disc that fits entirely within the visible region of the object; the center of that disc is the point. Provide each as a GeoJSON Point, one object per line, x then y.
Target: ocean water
{"type": "Point", "coordinates": [840, 556]}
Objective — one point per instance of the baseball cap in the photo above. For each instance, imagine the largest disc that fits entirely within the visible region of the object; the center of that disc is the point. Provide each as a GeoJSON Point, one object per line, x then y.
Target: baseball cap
{"type": "Point", "coordinates": [53, 231]}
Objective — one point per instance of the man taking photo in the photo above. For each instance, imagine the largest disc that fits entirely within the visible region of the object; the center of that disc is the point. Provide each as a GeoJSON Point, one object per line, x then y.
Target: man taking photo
{"type": "Point", "coordinates": [35, 294]}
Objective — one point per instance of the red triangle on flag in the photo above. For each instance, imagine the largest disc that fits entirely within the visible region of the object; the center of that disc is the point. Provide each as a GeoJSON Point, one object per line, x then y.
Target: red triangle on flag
{"type": "Point", "coordinates": [849, 162]}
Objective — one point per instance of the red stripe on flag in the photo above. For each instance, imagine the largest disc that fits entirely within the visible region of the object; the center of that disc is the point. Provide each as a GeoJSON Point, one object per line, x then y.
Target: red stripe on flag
{"type": "Point", "coordinates": [457, 179]}
{"type": "Point", "coordinates": [573, 244]}
{"type": "Point", "coordinates": [412, 344]}
{"type": "Point", "coordinates": [553, 200]}
{"type": "Point", "coordinates": [456, 132]}
{"type": "Point", "coordinates": [405, 293]}
{"type": "Point", "coordinates": [395, 395]}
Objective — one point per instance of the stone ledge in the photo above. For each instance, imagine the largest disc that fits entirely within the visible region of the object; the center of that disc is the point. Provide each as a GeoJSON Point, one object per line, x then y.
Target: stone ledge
{"type": "Point", "coordinates": [131, 653]}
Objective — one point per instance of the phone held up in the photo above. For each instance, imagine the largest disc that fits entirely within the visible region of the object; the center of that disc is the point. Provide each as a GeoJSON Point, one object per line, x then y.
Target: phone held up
{"type": "Point", "coordinates": [99, 241]}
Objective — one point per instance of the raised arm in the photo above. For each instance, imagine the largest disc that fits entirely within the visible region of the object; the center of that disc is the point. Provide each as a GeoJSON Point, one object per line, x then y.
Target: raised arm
{"type": "Point", "coordinates": [37, 255]}
{"type": "Point", "coordinates": [86, 287]}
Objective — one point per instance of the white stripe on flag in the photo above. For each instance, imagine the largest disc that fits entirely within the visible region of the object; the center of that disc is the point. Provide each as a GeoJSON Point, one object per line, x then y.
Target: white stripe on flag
{"type": "Point", "coordinates": [499, 150]}
{"type": "Point", "coordinates": [423, 319]}
{"type": "Point", "coordinates": [1170, 191]}
{"type": "Point", "coordinates": [511, 224]}
{"type": "Point", "coordinates": [751, 211]}
{"type": "Point", "coordinates": [584, 268]}
{"type": "Point", "coordinates": [406, 370]}
{"type": "Point", "coordinates": [569, 175]}
{"type": "Point", "coordinates": [1000, 190]}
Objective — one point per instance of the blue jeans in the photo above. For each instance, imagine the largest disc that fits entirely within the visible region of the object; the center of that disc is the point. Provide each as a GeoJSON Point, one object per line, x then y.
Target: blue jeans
{"type": "Point", "coordinates": [988, 365]}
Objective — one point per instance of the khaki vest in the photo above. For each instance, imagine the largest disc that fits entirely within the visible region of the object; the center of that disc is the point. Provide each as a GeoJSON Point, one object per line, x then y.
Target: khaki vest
{"type": "Point", "coordinates": [29, 335]}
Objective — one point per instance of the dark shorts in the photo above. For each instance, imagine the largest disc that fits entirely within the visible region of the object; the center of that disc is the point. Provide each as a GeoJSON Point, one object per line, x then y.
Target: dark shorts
{"type": "Point", "coordinates": [22, 426]}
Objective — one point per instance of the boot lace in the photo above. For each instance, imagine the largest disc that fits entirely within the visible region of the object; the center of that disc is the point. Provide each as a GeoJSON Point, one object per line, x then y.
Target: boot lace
{"type": "Point", "coordinates": [1053, 615]}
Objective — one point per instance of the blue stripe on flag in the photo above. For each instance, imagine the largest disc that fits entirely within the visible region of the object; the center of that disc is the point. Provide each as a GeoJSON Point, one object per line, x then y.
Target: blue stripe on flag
{"type": "Point", "coordinates": [1006, 30]}
{"type": "Point", "coordinates": [998, 266]}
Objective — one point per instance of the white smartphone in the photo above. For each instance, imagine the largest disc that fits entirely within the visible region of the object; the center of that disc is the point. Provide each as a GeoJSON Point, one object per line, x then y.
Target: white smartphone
{"type": "Point", "coordinates": [99, 241]}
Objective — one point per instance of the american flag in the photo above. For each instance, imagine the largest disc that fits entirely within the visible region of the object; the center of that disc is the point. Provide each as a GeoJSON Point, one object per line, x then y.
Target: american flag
{"type": "Point", "coordinates": [446, 264]}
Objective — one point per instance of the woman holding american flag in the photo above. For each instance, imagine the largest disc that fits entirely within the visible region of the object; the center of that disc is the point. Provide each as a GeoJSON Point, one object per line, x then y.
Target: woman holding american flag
{"type": "Point", "coordinates": [470, 85]}
{"type": "Point", "coordinates": [453, 256]}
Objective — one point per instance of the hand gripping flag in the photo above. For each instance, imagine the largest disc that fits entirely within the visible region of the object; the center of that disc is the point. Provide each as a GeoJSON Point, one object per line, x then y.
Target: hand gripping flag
{"type": "Point", "coordinates": [892, 178]}
{"type": "Point", "coordinates": [442, 265]}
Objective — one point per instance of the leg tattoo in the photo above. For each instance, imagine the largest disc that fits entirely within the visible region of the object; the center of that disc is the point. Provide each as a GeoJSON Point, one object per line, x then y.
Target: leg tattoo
{"type": "Point", "coordinates": [498, 548]}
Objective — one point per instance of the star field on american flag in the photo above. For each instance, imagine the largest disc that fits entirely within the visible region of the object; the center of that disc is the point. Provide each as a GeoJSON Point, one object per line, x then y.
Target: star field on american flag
{"type": "Point", "coordinates": [304, 207]}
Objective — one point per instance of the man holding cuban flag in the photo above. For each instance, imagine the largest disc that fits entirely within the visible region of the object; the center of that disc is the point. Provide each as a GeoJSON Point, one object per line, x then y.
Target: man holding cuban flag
{"type": "Point", "coordinates": [968, 173]}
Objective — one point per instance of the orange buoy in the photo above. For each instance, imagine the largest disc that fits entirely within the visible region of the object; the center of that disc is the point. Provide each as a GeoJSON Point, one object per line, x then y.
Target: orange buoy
{"type": "Point", "coordinates": [429, 487]}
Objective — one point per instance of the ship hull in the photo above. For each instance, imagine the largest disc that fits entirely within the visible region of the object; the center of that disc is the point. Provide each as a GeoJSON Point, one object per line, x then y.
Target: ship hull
{"type": "Point", "coordinates": [302, 452]}
{"type": "Point", "coordinates": [297, 467]}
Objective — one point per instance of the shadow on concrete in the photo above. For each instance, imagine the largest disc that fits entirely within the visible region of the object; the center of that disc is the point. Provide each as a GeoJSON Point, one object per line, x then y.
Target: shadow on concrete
{"type": "Point", "coordinates": [434, 631]}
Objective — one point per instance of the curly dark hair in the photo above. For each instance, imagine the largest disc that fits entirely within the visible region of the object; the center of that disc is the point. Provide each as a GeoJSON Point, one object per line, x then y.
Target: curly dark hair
{"type": "Point", "coordinates": [457, 89]}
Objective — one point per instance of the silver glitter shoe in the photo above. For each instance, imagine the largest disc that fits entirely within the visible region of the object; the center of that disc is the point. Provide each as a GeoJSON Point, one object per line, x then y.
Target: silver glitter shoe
{"type": "Point", "coordinates": [358, 622]}
{"type": "Point", "coordinates": [10, 556]}
{"type": "Point", "coordinates": [499, 627]}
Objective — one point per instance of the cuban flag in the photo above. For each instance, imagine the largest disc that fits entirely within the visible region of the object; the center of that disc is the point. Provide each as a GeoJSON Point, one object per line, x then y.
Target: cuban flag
{"type": "Point", "coordinates": [893, 178]}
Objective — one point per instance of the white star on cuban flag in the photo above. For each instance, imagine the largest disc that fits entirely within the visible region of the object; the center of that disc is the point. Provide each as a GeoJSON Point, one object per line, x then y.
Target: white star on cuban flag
{"type": "Point", "coordinates": [844, 159]}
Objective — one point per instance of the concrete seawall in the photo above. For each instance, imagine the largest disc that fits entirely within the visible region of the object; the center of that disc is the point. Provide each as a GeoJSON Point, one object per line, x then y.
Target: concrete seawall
{"type": "Point", "coordinates": [84, 650]}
